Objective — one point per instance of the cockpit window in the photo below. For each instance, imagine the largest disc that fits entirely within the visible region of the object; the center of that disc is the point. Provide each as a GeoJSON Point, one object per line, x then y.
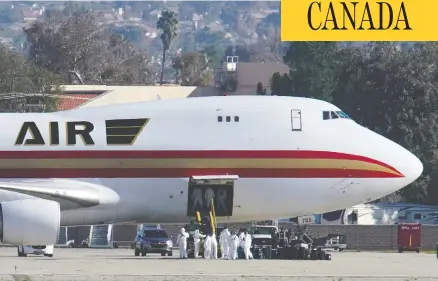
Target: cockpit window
{"type": "Point", "coordinates": [343, 115]}
{"type": "Point", "coordinates": [327, 115]}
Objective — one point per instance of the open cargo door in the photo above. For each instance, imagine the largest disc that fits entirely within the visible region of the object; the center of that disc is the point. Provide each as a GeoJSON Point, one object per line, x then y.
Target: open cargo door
{"type": "Point", "coordinates": [208, 191]}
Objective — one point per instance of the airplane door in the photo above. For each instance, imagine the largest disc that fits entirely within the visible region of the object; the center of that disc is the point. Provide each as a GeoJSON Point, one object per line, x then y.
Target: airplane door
{"type": "Point", "coordinates": [202, 189]}
{"type": "Point", "coordinates": [296, 120]}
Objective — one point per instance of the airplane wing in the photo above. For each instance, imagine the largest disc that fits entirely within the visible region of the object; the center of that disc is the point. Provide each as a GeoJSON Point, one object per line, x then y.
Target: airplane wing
{"type": "Point", "coordinates": [70, 194]}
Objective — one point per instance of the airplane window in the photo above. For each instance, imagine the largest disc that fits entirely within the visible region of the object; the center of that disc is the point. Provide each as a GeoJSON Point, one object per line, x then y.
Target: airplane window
{"type": "Point", "coordinates": [236, 118]}
{"type": "Point", "coordinates": [333, 115]}
{"type": "Point", "coordinates": [219, 118]}
{"type": "Point", "coordinates": [325, 115]}
{"type": "Point", "coordinates": [228, 119]}
{"type": "Point", "coordinates": [342, 114]}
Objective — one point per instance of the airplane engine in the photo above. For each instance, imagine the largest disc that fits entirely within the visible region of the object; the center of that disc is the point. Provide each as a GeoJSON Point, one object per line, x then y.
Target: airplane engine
{"type": "Point", "coordinates": [29, 222]}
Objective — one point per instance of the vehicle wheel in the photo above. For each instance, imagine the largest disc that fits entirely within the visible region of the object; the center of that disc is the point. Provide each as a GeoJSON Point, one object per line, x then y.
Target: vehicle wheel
{"type": "Point", "coordinates": [163, 254]}
{"type": "Point", "coordinates": [340, 250]}
{"type": "Point", "coordinates": [143, 254]}
{"type": "Point", "coordinates": [418, 250]}
{"type": "Point", "coordinates": [136, 253]}
{"type": "Point", "coordinates": [328, 257]}
{"type": "Point", "coordinates": [170, 254]}
{"type": "Point", "coordinates": [313, 255]}
{"type": "Point", "coordinates": [322, 257]}
{"type": "Point", "coordinates": [50, 255]}
{"type": "Point", "coordinates": [18, 252]}
{"type": "Point", "coordinates": [400, 250]}
{"type": "Point", "coordinates": [306, 254]}
{"type": "Point", "coordinates": [301, 252]}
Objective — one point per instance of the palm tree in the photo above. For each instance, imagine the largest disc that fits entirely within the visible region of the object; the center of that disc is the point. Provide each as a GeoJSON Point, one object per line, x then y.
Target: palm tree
{"type": "Point", "coordinates": [168, 23]}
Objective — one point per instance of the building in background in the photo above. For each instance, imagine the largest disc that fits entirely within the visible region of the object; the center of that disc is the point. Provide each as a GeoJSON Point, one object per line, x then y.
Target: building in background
{"type": "Point", "coordinates": [380, 214]}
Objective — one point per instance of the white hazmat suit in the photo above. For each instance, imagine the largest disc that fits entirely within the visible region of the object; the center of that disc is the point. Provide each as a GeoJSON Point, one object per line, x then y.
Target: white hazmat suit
{"type": "Point", "coordinates": [233, 243]}
{"type": "Point", "coordinates": [181, 241]}
{"type": "Point", "coordinates": [213, 246]}
{"type": "Point", "coordinates": [208, 196]}
{"type": "Point", "coordinates": [241, 240]}
{"type": "Point", "coordinates": [197, 241]}
{"type": "Point", "coordinates": [207, 247]}
{"type": "Point", "coordinates": [223, 241]}
{"type": "Point", "coordinates": [247, 246]}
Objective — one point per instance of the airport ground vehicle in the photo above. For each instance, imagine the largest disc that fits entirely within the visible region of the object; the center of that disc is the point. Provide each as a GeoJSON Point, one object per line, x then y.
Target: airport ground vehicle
{"type": "Point", "coordinates": [263, 234]}
{"type": "Point", "coordinates": [332, 241]}
{"type": "Point", "coordinates": [152, 240]}
{"type": "Point", "coordinates": [24, 250]}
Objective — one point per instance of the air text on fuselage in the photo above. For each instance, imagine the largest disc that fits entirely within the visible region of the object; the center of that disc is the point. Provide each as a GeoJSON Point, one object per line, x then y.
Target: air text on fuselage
{"type": "Point", "coordinates": [351, 16]}
{"type": "Point", "coordinates": [72, 129]}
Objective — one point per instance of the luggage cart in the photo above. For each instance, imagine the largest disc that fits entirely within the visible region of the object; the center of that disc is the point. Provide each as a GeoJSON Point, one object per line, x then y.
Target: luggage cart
{"type": "Point", "coordinates": [409, 237]}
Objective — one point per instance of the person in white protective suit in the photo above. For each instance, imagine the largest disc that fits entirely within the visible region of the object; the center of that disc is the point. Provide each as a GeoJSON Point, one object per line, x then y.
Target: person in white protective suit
{"type": "Point", "coordinates": [213, 246]}
{"type": "Point", "coordinates": [207, 246]}
{"type": "Point", "coordinates": [181, 241]}
{"type": "Point", "coordinates": [197, 241]}
{"type": "Point", "coordinates": [209, 196]}
{"type": "Point", "coordinates": [233, 243]}
{"type": "Point", "coordinates": [223, 241]}
{"type": "Point", "coordinates": [247, 245]}
{"type": "Point", "coordinates": [241, 239]}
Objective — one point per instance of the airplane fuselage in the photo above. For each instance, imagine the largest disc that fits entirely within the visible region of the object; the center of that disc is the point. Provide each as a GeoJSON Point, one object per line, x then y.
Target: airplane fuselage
{"type": "Point", "coordinates": [285, 167]}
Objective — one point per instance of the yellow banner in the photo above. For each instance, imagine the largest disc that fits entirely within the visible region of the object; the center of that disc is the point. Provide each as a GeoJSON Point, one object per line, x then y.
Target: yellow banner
{"type": "Point", "coordinates": [359, 20]}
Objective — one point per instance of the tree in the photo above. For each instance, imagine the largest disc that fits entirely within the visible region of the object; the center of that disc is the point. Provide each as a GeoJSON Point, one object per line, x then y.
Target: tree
{"type": "Point", "coordinates": [177, 65]}
{"type": "Point", "coordinates": [168, 24]}
{"type": "Point", "coordinates": [195, 70]}
{"type": "Point", "coordinates": [19, 79]}
{"type": "Point", "coordinates": [214, 55]}
{"type": "Point", "coordinates": [77, 46]}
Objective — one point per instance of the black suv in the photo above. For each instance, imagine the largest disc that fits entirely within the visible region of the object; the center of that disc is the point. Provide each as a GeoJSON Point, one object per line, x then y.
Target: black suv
{"type": "Point", "coordinates": [152, 240]}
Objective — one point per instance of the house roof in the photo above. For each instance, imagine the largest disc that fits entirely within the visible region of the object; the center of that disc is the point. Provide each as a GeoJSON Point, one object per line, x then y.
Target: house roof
{"type": "Point", "coordinates": [70, 101]}
{"type": "Point", "coordinates": [249, 74]}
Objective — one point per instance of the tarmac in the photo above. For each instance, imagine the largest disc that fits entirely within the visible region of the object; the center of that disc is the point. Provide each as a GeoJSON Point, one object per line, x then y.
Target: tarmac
{"type": "Point", "coordinates": [121, 264]}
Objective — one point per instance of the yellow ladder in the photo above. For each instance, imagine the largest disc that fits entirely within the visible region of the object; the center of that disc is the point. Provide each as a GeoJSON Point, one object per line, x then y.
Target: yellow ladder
{"type": "Point", "coordinates": [213, 218]}
{"type": "Point", "coordinates": [212, 214]}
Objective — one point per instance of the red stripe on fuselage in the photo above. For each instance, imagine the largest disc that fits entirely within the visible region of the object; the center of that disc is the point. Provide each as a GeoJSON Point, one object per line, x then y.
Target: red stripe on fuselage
{"type": "Point", "coordinates": [185, 173]}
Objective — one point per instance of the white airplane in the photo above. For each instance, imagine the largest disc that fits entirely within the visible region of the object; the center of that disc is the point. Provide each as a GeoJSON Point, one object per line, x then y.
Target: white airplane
{"type": "Point", "coordinates": [259, 157]}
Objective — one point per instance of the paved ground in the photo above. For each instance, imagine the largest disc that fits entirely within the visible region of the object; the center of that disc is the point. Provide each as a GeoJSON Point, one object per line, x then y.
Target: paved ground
{"type": "Point", "coordinates": [120, 264]}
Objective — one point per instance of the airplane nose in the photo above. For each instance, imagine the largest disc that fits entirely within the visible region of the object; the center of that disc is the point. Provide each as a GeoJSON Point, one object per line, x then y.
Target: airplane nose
{"type": "Point", "coordinates": [412, 168]}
